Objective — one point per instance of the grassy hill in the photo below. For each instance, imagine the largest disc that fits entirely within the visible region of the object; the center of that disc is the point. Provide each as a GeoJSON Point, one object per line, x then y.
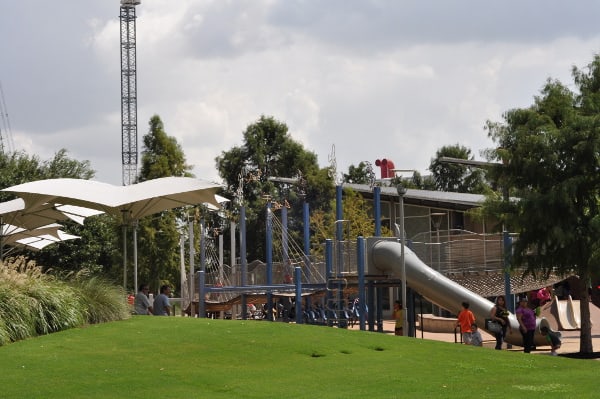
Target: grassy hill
{"type": "Point", "coordinates": [174, 357]}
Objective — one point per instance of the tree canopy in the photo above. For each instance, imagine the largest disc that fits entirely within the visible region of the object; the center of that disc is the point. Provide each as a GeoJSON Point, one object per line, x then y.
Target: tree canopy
{"type": "Point", "coordinates": [268, 151]}
{"type": "Point", "coordinates": [361, 174]}
{"type": "Point", "coordinates": [18, 167]}
{"type": "Point", "coordinates": [162, 156]}
{"type": "Point", "coordinates": [550, 153]}
{"type": "Point", "coordinates": [456, 177]}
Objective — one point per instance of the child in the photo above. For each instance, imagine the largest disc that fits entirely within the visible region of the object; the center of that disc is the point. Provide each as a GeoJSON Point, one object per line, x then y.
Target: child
{"type": "Point", "coordinates": [398, 317]}
{"type": "Point", "coordinates": [553, 337]}
{"type": "Point", "coordinates": [465, 320]}
{"type": "Point", "coordinates": [476, 339]}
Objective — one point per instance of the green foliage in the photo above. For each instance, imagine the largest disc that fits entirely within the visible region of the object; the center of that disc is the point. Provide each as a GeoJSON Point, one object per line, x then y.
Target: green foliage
{"type": "Point", "coordinates": [34, 303]}
{"type": "Point", "coordinates": [269, 151]}
{"type": "Point", "coordinates": [98, 249]}
{"type": "Point", "coordinates": [200, 358]}
{"type": "Point", "coordinates": [101, 299]}
{"type": "Point", "coordinates": [162, 155]}
{"type": "Point", "coordinates": [158, 236]}
{"type": "Point", "coordinates": [551, 153]}
{"type": "Point", "coordinates": [18, 167]}
{"type": "Point", "coordinates": [355, 209]}
{"type": "Point", "coordinates": [456, 177]}
{"type": "Point", "coordinates": [361, 174]}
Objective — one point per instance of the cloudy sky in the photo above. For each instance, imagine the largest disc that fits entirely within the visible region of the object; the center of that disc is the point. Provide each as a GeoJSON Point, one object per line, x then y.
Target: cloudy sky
{"type": "Point", "coordinates": [354, 80]}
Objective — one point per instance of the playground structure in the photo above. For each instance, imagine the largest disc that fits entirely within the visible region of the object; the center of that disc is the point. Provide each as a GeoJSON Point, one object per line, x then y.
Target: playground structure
{"type": "Point", "coordinates": [340, 288]}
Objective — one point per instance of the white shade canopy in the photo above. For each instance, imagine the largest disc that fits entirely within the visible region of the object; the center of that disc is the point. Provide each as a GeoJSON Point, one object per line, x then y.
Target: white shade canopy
{"type": "Point", "coordinates": [14, 213]}
{"type": "Point", "coordinates": [11, 234]}
{"type": "Point", "coordinates": [41, 241]}
{"type": "Point", "coordinates": [134, 201]}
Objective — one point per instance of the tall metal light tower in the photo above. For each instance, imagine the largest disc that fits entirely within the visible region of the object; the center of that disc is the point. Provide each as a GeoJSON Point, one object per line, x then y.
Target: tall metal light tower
{"type": "Point", "coordinates": [128, 92]}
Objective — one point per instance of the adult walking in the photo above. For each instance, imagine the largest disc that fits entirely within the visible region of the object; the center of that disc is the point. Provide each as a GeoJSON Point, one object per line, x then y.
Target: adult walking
{"type": "Point", "coordinates": [526, 318]}
{"type": "Point", "coordinates": [499, 314]}
{"type": "Point", "coordinates": [161, 305]}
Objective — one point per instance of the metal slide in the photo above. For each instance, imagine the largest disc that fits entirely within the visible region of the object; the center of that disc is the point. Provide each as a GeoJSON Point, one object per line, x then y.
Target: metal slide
{"type": "Point", "coordinates": [385, 256]}
{"type": "Point", "coordinates": [566, 314]}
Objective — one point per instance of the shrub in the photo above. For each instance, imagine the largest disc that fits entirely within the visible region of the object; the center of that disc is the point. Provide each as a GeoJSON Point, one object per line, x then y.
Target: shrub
{"type": "Point", "coordinates": [34, 303]}
{"type": "Point", "coordinates": [101, 300]}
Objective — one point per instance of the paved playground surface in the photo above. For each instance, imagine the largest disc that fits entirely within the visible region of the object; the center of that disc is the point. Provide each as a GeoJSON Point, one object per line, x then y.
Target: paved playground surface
{"type": "Point", "coordinates": [570, 338]}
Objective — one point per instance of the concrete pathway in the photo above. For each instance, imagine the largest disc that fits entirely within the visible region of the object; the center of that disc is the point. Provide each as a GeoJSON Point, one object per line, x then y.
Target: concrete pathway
{"type": "Point", "coordinates": [570, 338]}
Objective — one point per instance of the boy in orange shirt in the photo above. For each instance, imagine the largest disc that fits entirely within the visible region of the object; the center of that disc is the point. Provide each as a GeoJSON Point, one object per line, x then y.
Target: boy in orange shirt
{"type": "Point", "coordinates": [466, 318]}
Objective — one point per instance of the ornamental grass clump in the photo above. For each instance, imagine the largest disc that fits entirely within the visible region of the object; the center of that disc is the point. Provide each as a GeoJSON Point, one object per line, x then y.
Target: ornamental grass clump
{"type": "Point", "coordinates": [18, 315]}
{"type": "Point", "coordinates": [35, 303]}
{"type": "Point", "coordinates": [101, 300]}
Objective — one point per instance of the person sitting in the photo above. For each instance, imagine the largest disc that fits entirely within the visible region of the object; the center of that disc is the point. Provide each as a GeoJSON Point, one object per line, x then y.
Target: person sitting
{"type": "Point", "coordinates": [162, 307]}
{"type": "Point", "coordinates": [553, 338]}
{"type": "Point", "coordinates": [141, 303]}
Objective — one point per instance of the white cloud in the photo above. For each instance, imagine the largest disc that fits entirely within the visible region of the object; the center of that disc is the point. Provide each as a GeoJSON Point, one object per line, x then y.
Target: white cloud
{"type": "Point", "coordinates": [374, 79]}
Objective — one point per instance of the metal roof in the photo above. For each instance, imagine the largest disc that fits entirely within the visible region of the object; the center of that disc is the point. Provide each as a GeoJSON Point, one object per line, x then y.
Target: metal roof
{"type": "Point", "coordinates": [441, 199]}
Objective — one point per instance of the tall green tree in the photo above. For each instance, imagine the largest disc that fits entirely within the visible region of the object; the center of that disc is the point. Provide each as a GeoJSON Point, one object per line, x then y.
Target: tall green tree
{"type": "Point", "coordinates": [269, 151]}
{"type": "Point", "coordinates": [162, 155]}
{"type": "Point", "coordinates": [456, 177]}
{"type": "Point", "coordinates": [551, 153]}
{"type": "Point", "coordinates": [361, 174]}
{"type": "Point", "coordinates": [158, 259]}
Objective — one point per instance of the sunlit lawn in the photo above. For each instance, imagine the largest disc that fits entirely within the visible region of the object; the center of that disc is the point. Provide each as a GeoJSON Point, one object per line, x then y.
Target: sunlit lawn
{"type": "Point", "coordinates": [160, 357]}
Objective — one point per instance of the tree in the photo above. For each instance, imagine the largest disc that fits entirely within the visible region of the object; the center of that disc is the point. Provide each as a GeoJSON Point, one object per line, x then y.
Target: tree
{"type": "Point", "coordinates": [551, 153]}
{"type": "Point", "coordinates": [361, 174]}
{"type": "Point", "coordinates": [416, 181]}
{"type": "Point", "coordinates": [97, 249]}
{"type": "Point", "coordinates": [162, 155]}
{"type": "Point", "coordinates": [455, 177]}
{"type": "Point", "coordinates": [158, 236]}
{"type": "Point", "coordinates": [18, 167]}
{"type": "Point", "coordinates": [269, 151]}
{"type": "Point", "coordinates": [355, 209]}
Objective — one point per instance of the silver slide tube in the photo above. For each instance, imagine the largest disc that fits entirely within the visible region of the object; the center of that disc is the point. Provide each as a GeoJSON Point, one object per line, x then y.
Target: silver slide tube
{"type": "Point", "coordinates": [437, 288]}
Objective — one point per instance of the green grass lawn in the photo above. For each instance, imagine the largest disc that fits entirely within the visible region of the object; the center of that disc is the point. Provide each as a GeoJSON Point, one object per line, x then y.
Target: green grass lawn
{"type": "Point", "coordinates": [175, 357]}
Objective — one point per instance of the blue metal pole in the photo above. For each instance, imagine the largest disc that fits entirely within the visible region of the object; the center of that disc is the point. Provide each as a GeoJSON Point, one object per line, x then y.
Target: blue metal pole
{"type": "Point", "coordinates": [284, 242]}
{"type": "Point", "coordinates": [307, 271]}
{"type": "Point", "coordinates": [377, 209]}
